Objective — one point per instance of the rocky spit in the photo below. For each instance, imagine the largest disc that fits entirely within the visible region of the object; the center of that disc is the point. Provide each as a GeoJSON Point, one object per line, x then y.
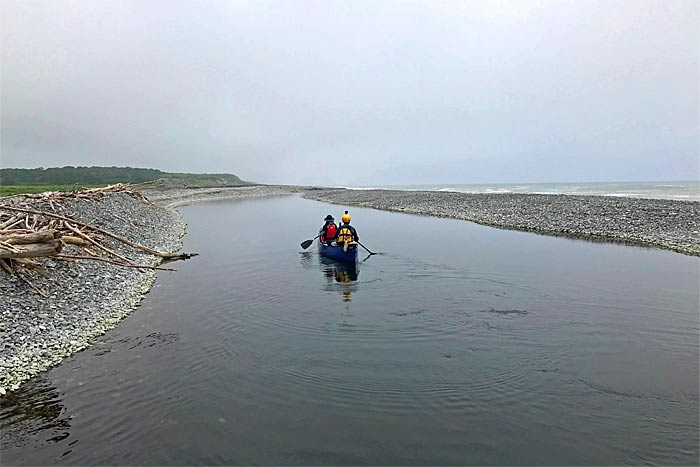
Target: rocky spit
{"type": "Point", "coordinates": [673, 225]}
{"type": "Point", "coordinates": [172, 198]}
{"type": "Point", "coordinates": [87, 298]}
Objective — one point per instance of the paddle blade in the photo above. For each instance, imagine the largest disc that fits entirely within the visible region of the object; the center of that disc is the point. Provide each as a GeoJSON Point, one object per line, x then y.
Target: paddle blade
{"type": "Point", "coordinates": [306, 243]}
{"type": "Point", "coordinates": [370, 253]}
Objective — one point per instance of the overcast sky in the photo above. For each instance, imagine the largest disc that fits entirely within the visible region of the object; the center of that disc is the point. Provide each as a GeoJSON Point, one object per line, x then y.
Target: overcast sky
{"type": "Point", "coordinates": [356, 92]}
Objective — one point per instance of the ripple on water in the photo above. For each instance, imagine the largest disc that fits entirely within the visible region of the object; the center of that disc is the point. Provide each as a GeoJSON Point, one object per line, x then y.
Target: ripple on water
{"type": "Point", "coordinates": [263, 310]}
{"type": "Point", "coordinates": [486, 355]}
{"type": "Point", "coordinates": [35, 407]}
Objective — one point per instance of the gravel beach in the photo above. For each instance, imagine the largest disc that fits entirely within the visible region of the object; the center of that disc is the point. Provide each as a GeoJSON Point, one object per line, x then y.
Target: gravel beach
{"type": "Point", "coordinates": [87, 298]}
{"type": "Point", "coordinates": [178, 197]}
{"type": "Point", "coordinates": [673, 225]}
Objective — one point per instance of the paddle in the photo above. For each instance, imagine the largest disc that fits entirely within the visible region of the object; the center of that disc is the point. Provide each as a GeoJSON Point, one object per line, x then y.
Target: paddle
{"type": "Point", "coordinates": [370, 253]}
{"type": "Point", "coordinates": [307, 243]}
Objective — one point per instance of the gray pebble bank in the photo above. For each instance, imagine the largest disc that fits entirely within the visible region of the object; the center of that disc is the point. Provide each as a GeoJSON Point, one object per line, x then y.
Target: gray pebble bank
{"type": "Point", "coordinates": [85, 299]}
{"type": "Point", "coordinates": [178, 197]}
{"type": "Point", "coordinates": [673, 225]}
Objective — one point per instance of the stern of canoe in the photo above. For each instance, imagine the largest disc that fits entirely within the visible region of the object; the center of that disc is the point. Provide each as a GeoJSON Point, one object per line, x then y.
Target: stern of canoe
{"type": "Point", "coordinates": [337, 252]}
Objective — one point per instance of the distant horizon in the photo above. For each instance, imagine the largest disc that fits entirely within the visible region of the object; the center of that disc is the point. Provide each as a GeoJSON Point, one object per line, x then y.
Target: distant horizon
{"type": "Point", "coordinates": [682, 190]}
{"type": "Point", "coordinates": [563, 182]}
{"type": "Point", "coordinates": [540, 183]}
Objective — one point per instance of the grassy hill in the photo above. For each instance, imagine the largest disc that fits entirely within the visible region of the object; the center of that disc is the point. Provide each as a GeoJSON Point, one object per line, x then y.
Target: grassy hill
{"type": "Point", "coordinates": [13, 181]}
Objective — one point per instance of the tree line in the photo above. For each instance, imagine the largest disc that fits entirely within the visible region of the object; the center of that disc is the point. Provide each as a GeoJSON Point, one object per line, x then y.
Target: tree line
{"type": "Point", "coordinates": [100, 176]}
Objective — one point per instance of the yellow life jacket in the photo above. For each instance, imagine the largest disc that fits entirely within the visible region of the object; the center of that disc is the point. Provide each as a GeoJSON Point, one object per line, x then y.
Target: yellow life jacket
{"type": "Point", "coordinates": [344, 235]}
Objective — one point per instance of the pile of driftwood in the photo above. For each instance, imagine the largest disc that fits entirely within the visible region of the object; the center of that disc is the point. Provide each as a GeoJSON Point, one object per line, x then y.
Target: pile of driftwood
{"type": "Point", "coordinates": [27, 233]}
{"type": "Point", "coordinates": [58, 197]}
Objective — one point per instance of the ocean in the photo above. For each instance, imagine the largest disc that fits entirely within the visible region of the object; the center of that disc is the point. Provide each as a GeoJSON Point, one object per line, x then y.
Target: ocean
{"type": "Point", "coordinates": [675, 190]}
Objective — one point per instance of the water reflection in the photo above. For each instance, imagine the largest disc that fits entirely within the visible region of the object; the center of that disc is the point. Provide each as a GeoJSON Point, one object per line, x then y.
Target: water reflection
{"type": "Point", "coordinates": [306, 259]}
{"type": "Point", "coordinates": [35, 408]}
{"type": "Point", "coordinates": [343, 273]}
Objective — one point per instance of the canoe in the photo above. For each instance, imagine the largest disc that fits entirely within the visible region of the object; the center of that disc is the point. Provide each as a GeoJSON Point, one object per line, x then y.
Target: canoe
{"type": "Point", "coordinates": [337, 253]}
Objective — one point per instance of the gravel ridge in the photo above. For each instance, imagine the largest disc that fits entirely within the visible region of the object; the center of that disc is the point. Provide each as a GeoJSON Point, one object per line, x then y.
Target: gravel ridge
{"type": "Point", "coordinates": [172, 198]}
{"type": "Point", "coordinates": [84, 299]}
{"type": "Point", "coordinates": [667, 224]}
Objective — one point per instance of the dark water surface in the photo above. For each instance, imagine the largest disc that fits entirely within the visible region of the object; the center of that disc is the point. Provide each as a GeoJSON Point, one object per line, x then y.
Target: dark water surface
{"type": "Point", "coordinates": [459, 344]}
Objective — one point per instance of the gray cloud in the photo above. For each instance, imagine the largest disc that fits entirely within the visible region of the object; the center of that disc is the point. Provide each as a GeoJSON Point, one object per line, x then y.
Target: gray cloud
{"type": "Point", "coordinates": [356, 92]}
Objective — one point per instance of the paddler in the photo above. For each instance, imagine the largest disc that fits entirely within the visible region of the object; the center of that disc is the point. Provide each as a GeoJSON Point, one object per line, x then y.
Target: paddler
{"type": "Point", "coordinates": [328, 230]}
{"type": "Point", "coordinates": [346, 233]}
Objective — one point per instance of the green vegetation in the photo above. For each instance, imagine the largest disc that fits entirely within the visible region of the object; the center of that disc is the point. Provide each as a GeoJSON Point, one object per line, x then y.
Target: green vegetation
{"type": "Point", "coordinates": [13, 181]}
{"type": "Point", "coordinates": [24, 181]}
{"type": "Point", "coordinates": [103, 175]}
{"type": "Point", "coordinates": [10, 190]}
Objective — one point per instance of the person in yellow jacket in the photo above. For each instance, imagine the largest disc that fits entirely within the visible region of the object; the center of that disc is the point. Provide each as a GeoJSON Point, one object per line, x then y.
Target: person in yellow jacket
{"type": "Point", "coordinates": [346, 233]}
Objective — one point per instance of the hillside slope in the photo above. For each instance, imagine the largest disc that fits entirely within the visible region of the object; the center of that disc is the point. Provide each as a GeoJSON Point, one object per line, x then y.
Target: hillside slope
{"type": "Point", "coordinates": [107, 175]}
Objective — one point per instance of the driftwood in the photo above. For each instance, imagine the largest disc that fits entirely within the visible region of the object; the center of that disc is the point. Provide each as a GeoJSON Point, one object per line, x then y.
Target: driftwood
{"type": "Point", "coordinates": [26, 232]}
{"type": "Point", "coordinates": [70, 240]}
{"type": "Point", "coordinates": [31, 264]}
{"type": "Point", "coordinates": [101, 247]}
{"type": "Point", "coordinates": [12, 221]}
{"type": "Point", "coordinates": [14, 231]}
{"type": "Point", "coordinates": [95, 258]}
{"type": "Point", "coordinates": [104, 232]}
{"type": "Point", "coordinates": [32, 237]}
{"type": "Point", "coordinates": [51, 197]}
{"type": "Point", "coordinates": [32, 250]}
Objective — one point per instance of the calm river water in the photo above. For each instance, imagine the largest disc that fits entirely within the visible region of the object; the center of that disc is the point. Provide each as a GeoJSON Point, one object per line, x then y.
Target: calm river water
{"type": "Point", "coordinates": [458, 344]}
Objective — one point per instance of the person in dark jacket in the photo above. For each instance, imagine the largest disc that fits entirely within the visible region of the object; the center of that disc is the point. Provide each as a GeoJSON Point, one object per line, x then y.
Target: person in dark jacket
{"type": "Point", "coordinates": [346, 233]}
{"type": "Point", "coordinates": [329, 230]}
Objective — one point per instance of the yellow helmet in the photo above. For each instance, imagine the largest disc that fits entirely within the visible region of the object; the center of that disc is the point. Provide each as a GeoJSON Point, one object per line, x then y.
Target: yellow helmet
{"type": "Point", "coordinates": [345, 218]}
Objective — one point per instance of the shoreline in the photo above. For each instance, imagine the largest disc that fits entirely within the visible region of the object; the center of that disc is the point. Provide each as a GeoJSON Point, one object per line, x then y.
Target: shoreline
{"type": "Point", "coordinates": [658, 223]}
{"type": "Point", "coordinates": [173, 198]}
{"type": "Point", "coordinates": [85, 299]}
{"type": "Point", "coordinates": [38, 333]}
